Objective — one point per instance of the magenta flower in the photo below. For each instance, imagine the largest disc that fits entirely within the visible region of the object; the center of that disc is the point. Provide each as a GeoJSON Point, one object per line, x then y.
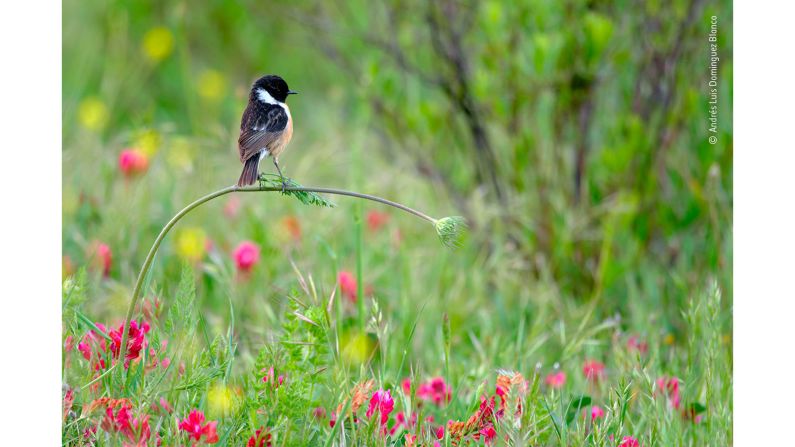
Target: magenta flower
{"type": "Point", "coordinates": [132, 162]}
{"type": "Point", "coordinates": [435, 390]}
{"type": "Point", "coordinates": [488, 434]}
{"type": "Point", "coordinates": [629, 441]}
{"type": "Point", "coordinates": [196, 428]}
{"type": "Point", "coordinates": [246, 255]}
{"type": "Point", "coordinates": [597, 412]}
{"type": "Point", "coordinates": [556, 380]}
{"type": "Point", "coordinates": [382, 403]}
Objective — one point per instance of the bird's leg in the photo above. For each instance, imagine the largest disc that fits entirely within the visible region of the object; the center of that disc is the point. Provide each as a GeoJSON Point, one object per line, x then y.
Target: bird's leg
{"type": "Point", "coordinates": [276, 163]}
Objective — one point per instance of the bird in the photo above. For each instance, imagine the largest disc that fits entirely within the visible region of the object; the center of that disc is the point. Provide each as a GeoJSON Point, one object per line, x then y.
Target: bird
{"type": "Point", "coordinates": [265, 128]}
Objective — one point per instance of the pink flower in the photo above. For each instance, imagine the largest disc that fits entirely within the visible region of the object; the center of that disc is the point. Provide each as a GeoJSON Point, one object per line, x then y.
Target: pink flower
{"type": "Point", "coordinates": [382, 403]}
{"type": "Point", "coordinates": [232, 207]}
{"type": "Point", "coordinates": [435, 390]}
{"type": "Point", "coordinates": [347, 285]}
{"type": "Point", "coordinates": [556, 380]}
{"type": "Point", "coordinates": [593, 370]}
{"type": "Point", "coordinates": [166, 406]}
{"type": "Point", "coordinates": [440, 432]}
{"type": "Point", "coordinates": [376, 220]}
{"type": "Point", "coordinates": [196, 429]}
{"type": "Point", "coordinates": [246, 255]}
{"type": "Point", "coordinates": [102, 257]}
{"type": "Point", "coordinates": [406, 385]}
{"type": "Point", "coordinates": [629, 441]}
{"type": "Point", "coordinates": [597, 412]}
{"type": "Point", "coordinates": [269, 377]}
{"type": "Point", "coordinates": [635, 344]}
{"type": "Point", "coordinates": [132, 162]}
{"type": "Point", "coordinates": [669, 386]}
{"type": "Point", "coordinates": [319, 413]}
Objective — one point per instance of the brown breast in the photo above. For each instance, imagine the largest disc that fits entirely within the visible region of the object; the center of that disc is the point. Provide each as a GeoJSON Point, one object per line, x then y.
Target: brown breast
{"type": "Point", "coordinates": [287, 135]}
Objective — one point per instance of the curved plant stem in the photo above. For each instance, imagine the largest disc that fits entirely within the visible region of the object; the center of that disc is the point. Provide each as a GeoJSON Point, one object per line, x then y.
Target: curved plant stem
{"type": "Point", "coordinates": [230, 189]}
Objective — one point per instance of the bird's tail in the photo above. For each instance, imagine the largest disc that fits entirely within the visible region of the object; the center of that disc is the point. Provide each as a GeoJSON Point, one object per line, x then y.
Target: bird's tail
{"type": "Point", "coordinates": [249, 175]}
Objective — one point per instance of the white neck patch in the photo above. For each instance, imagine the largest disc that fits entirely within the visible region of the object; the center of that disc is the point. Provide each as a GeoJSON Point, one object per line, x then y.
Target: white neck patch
{"type": "Point", "coordinates": [266, 97]}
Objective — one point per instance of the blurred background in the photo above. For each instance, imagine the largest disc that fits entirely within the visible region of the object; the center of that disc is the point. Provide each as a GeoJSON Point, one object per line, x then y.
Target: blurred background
{"type": "Point", "coordinates": [572, 135]}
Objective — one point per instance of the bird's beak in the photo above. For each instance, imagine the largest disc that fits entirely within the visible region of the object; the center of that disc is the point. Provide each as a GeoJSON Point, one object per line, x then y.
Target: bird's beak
{"type": "Point", "coordinates": [292, 92]}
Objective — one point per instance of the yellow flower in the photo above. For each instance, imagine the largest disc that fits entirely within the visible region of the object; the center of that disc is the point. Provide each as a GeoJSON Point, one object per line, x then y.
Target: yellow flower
{"type": "Point", "coordinates": [212, 85]}
{"type": "Point", "coordinates": [93, 113]}
{"type": "Point", "coordinates": [191, 244]}
{"type": "Point", "coordinates": [180, 154]}
{"type": "Point", "coordinates": [669, 339]}
{"type": "Point", "coordinates": [148, 141]}
{"type": "Point", "coordinates": [158, 43]}
{"type": "Point", "coordinates": [356, 348]}
{"type": "Point", "coordinates": [221, 401]}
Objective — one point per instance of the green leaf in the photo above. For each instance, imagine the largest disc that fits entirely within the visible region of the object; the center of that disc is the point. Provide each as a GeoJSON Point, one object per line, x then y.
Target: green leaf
{"type": "Point", "coordinates": [575, 405]}
{"type": "Point", "coordinates": [305, 197]}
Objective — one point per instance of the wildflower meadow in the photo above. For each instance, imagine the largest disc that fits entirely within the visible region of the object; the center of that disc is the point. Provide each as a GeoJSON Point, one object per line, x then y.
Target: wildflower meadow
{"type": "Point", "coordinates": [503, 223]}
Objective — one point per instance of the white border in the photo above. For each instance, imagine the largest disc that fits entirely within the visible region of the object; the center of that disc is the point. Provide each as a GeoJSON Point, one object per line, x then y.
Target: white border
{"type": "Point", "coordinates": [764, 224]}
{"type": "Point", "coordinates": [30, 236]}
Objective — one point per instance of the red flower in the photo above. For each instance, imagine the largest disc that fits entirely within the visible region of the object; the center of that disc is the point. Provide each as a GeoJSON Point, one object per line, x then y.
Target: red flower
{"type": "Point", "coordinates": [347, 285]}
{"type": "Point", "coordinates": [132, 162]}
{"type": "Point", "coordinates": [136, 340]}
{"type": "Point", "coordinates": [594, 370]}
{"type": "Point", "coordinates": [556, 380]}
{"type": "Point", "coordinates": [135, 429]}
{"type": "Point", "coordinates": [376, 220]}
{"type": "Point", "coordinates": [246, 256]}
{"type": "Point", "coordinates": [260, 439]}
{"type": "Point", "coordinates": [381, 402]}
{"type": "Point", "coordinates": [629, 441]}
{"type": "Point", "coordinates": [196, 429]}
{"type": "Point", "coordinates": [440, 432]}
{"type": "Point", "coordinates": [435, 390]}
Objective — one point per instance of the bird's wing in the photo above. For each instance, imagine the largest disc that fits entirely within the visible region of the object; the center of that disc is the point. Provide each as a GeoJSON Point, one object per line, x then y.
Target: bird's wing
{"type": "Point", "coordinates": [259, 130]}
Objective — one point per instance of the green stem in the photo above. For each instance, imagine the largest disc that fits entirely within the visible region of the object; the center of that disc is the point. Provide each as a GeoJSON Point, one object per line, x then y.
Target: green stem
{"type": "Point", "coordinates": [230, 189]}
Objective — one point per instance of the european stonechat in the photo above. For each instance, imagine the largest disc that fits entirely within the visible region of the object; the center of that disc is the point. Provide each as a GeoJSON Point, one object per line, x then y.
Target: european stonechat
{"type": "Point", "coordinates": [265, 128]}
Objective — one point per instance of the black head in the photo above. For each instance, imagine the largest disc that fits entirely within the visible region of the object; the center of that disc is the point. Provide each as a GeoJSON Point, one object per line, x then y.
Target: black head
{"type": "Point", "coordinates": [274, 86]}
